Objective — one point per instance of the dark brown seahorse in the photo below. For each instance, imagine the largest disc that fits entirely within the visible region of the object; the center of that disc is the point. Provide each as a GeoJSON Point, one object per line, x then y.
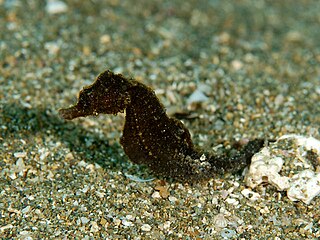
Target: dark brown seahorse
{"type": "Point", "coordinates": [150, 137]}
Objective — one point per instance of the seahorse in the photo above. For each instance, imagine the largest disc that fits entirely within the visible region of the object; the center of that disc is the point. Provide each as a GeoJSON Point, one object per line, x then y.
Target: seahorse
{"type": "Point", "coordinates": [149, 136]}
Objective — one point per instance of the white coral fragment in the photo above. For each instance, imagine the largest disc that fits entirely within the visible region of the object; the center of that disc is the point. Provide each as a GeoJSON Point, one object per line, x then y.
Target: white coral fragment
{"type": "Point", "coordinates": [285, 164]}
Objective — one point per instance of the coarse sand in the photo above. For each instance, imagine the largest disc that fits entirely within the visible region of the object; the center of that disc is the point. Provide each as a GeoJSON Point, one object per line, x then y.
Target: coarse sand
{"type": "Point", "coordinates": [230, 70]}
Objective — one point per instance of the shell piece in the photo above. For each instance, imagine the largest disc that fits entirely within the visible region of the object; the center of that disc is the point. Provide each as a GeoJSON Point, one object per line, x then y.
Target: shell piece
{"type": "Point", "coordinates": [266, 168]}
{"type": "Point", "coordinates": [305, 186]}
{"type": "Point", "coordinates": [290, 165]}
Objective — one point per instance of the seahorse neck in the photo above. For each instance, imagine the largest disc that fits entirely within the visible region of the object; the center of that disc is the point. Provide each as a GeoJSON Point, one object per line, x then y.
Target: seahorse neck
{"type": "Point", "coordinates": [144, 107]}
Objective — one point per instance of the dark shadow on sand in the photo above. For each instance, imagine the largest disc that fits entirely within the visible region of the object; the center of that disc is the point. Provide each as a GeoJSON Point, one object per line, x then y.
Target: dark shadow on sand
{"type": "Point", "coordinates": [24, 123]}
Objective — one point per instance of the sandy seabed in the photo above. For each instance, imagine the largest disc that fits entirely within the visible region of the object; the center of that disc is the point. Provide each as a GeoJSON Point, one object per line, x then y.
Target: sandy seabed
{"type": "Point", "coordinates": [256, 63]}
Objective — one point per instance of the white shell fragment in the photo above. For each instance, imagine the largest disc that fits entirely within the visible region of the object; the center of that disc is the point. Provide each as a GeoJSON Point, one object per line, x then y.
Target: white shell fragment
{"type": "Point", "coordinates": [290, 164]}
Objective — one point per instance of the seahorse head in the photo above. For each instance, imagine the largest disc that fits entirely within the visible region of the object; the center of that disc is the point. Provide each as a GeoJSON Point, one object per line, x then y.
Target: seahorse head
{"type": "Point", "coordinates": [108, 94]}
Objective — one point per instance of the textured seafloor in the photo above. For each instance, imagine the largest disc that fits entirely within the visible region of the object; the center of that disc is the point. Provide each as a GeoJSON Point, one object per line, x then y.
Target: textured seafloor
{"type": "Point", "coordinates": [257, 62]}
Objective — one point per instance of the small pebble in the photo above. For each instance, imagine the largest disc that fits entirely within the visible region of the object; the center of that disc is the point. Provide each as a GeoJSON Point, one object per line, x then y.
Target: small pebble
{"type": "Point", "coordinates": [20, 166]}
{"type": "Point", "coordinates": [13, 176]}
{"type": "Point", "coordinates": [55, 7]}
{"type": "Point", "coordinates": [94, 227]}
{"type": "Point", "coordinates": [84, 220]}
{"type": "Point", "coordinates": [82, 164]}
{"type": "Point", "coordinates": [117, 221]}
{"type": "Point", "coordinates": [69, 156]}
{"type": "Point", "coordinates": [253, 196]}
{"type": "Point", "coordinates": [100, 194]}
{"type": "Point", "coordinates": [236, 64]}
{"type": "Point", "coordinates": [227, 233]}
{"type": "Point", "coordinates": [105, 39]}
{"type": "Point", "coordinates": [3, 228]}
{"type": "Point", "coordinates": [130, 217]}
{"type": "Point", "coordinates": [224, 194]}
{"type": "Point", "coordinates": [232, 201]}
{"type": "Point", "coordinates": [196, 97]}
{"type": "Point", "coordinates": [126, 223]}
{"type": "Point", "coordinates": [26, 209]}
{"type": "Point", "coordinates": [156, 194]}
{"type": "Point", "coordinates": [166, 225]}
{"type": "Point", "coordinates": [20, 154]}
{"type": "Point", "coordinates": [52, 47]}
{"type": "Point", "coordinates": [172, 199]}
{"type": "Point", "coordinates": [146, 227]}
